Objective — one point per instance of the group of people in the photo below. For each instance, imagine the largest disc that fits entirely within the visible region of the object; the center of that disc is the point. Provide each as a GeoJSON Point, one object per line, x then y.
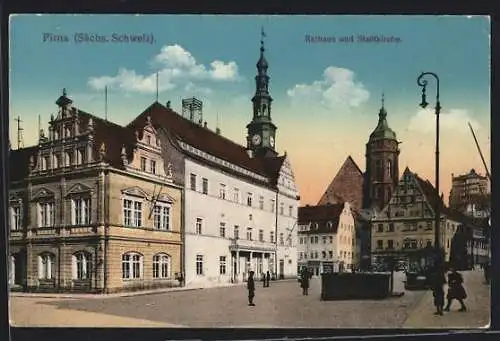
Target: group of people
{"type": "Point", "coordinates": [456, 290]}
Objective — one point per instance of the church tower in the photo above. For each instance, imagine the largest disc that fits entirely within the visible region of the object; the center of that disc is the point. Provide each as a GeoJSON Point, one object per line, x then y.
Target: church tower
{"type": "Point", "coordinates": [382, 164]}
{"type": "Point", "coordinates": [261, 131]}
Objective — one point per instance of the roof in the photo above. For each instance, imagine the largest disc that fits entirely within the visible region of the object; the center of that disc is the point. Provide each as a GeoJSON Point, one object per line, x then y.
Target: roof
{"type": "Point", "coordinates": [207, 140]}
{"type": "Point", "coordinates": [346, 186]}
{"type": "Point", "coordinates": [322, 215]}
{"type": "Point", "coordinates": [471, 174]}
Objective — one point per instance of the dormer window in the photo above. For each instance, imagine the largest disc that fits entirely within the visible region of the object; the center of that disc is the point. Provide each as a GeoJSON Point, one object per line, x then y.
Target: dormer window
{"type": "Point", "coordinates": [148, 139]}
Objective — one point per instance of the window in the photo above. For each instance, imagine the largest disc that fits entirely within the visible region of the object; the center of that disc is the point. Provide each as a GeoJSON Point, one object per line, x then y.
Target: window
{"type": "Point", "coordinates": [380, 227]}
{"type": "Point", "coordinates": [378, 169]}
{"type": "Point", "coordinates": [273, 205]}
{"type": "Point", "coordinates": [316, 239]}
{"type": "Point", "coordinates": [390, 244]}
{"type": "Point", "coordinates": [80, 211]}
{"type": "Point", "coordinates": [271, 236]}
{"type": "Point", "coordinates": [290, 210]}
{"type": "Point", "coordinates": [222, 230]}
{"type": "Point", "coordinates": [391, 227]}
{"type": "Point", "coordinates": [205, 186]}
{"type": "Point", "coordinates": [57, 161]}
{"type": "Point", "coordinates": [68, 132]}
{"type": "Point", "coordinates": [429, 243]}
{"type": "Point", "coordinates": [261, 202]}
{"type": "Point", "coordinates": [79, 156]}
{"type": "Point", "coordinates": [192, 179]}
{"type": "Point", "coordinates": [132, 213]}
{"type": "Point", "coordinates": [312, 240]}
{"type": "Point", "coordinates": [282, 209]}
{"type": "Point", "coordinates": [46, 214]}
{"type": "Point", "coordinates": [324, 239]}
{"type": "Point", "coordinates": [143, 164]}
{"type": "Point", "coordinates": [330, 254]}
{"type": "Point", "coordinates": [161, 217]}
{"type": "Point", "coordinates": [380, 244]}
{"type": "Point", "coordinates": [236, 232]}
{"type": "Point", "coordinates": [222, 192]}
{"type": "Point", "coordinates": [148, 139]}
{"type": "Point", "coordinates": [199, 265]}
{"type": "Point", "coordinates": [152, 166]}
{"type": "Point", "coordinates": [161, 266]}
{"type": "Point", "coordinates": [249, 199]}
{"type": "Point", "coordinates": [15, 218]}
{"type": "Point", "coordinates": [199, 225]}
{"type": "Point", "coordinates": [236, 194]}
{"type": "Point", "coordinates": [282, 241]}
{"type": "Point", "coordinates": [67, 159]}
{"type": "Point", "coordinates": [131, 266]}
{"type": "Point", "coordinates": [222, 265]}
{"type": "Point", "coordinates": [249, 233]}
{"type": "Point", "coordinates": [46, 266]}
{"type": "Point", "coordinates": [81, 265]}
{"type": "Point", "coordinates": [429, 226]}
{"type": "Point", "coordinates": [323, 253]}
{"type": "Point", "coordinates": [261, 235]}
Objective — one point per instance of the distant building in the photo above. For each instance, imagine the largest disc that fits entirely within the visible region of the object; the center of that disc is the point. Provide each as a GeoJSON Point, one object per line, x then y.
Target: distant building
{"type": "Point", "coordinates": [470, 194]}
{"type": "Point", "coordinates": [327, 238]}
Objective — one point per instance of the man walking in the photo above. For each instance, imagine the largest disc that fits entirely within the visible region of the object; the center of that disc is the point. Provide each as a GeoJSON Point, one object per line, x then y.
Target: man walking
{"type": "Point", "coordinates": [438, 280]}
{"type": "Point", "coordinates": [268, 278]}
{"type": "Point", "coordinates": [456, 290]}
{"type": "Point", "coordinates": [304, 282]}
{"type": "Point", "coordinates": [251, 288]}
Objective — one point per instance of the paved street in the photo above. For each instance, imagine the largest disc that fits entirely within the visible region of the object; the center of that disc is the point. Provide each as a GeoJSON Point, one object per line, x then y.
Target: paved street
{"type": "Point", "coordinates": [281, 305]}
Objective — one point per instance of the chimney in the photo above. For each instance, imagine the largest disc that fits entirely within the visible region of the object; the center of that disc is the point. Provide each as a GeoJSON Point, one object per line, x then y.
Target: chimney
{"type": "Point", "coordinates": [168, 105]}
{"type": "Point", "coordinates": [205, 124]}
{"type": "Point", "coordinates": [217, 131]}
{"type": "Point", "coordinates": [250, 153]}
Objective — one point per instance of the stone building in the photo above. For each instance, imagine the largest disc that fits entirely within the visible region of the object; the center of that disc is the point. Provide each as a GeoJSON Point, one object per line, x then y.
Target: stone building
{"type": "Point", "coordinates": [405, 227]}
{"type": "Point", "coordinates": [94, 208]}
{"type": "Point", "coordinates": [327, 238]}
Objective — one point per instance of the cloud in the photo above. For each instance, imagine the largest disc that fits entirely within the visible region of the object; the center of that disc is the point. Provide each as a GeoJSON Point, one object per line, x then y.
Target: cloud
{"type": "Point", "coordinates": [337, 89]}
{"type": "Point", "coordinates": [424, 121]}
{"type": "Point", "coordinates": [176, 67]}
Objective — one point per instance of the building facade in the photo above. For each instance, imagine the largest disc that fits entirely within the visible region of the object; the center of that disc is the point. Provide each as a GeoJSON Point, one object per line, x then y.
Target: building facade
{"type": "Point", "coordinates": [405, 227]}
{"type": "Point", "coordinates": [327, 238]}
{"type": "Point", "coordinates": [240, 201]}
{"type": "Point", "coordinates": [470, 194]}
{"type": "Point", "coordinates": [93, 208]}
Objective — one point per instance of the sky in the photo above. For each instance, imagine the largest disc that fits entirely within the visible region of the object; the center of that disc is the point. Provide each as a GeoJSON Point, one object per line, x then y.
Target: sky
{"type": "Point", "coordinates": [327, 91]}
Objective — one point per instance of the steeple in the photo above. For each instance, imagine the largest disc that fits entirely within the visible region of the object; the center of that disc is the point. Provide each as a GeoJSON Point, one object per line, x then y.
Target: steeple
{"type": "Point", "coordinates": [261, 130]}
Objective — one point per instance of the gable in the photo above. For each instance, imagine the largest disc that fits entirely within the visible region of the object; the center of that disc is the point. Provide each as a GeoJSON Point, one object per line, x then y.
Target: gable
{"type": "Point", "coordinates": [43, 193]}
{"type": "Point", "coordinates": [165, 198]}
{"type": "Point", "coordinates": [346, 186]}
{"type": "Point", "coordinates": [78, 189]}
{"type": "Point", "coordinates": [286, 177]}
{"type": "Point", "coordinates": [135, 192]}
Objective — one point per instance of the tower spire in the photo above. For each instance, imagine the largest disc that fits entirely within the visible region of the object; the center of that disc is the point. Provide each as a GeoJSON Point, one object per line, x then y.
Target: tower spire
{"type": "Point", "coordinates": [262, 36]}
{"type": "Point", "coordinates": [382, 100]}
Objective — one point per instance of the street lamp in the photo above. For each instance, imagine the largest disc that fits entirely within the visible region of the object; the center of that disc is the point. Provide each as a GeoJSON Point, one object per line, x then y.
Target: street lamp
{"type": "Point", "coordinates": [423, 83]}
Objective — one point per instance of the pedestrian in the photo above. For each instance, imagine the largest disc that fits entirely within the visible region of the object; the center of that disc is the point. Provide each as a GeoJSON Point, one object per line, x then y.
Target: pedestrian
{"type": "Point", "coordinates": [304, 283]}
{"type": "Point", "coordinates": [263, 279]}
{"type": "Point", "coordinates": [456, 290]}
{"type": "Point", "coordinates": [486, 269]}
{"type": "Point", "coordinates": [251, 288]}
{"type": "Point", "coordinates": [268, 278]}
{"type": "Point", "coordinates": [437, 281]}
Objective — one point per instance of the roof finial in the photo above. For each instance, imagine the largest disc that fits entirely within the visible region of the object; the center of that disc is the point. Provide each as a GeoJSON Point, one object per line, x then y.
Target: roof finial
{"type": "Point", "coordinates": [64, 91]}
{"type": "Point", "coordinates": [383, 100]}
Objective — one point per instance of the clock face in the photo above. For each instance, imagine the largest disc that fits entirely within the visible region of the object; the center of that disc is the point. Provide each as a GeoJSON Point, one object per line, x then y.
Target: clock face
{"type": "Point", "coordinates": [271, 140]}
{"type": "Point", "coordinates": [256, 140]}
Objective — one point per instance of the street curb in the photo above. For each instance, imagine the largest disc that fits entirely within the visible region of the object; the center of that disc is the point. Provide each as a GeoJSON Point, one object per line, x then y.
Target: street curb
{"type": "Point", "coordinates": [126, 294]}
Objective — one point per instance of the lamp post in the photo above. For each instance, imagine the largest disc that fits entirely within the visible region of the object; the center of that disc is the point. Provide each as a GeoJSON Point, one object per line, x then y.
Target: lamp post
{"type": "Point", "coordinates": [423, 83]}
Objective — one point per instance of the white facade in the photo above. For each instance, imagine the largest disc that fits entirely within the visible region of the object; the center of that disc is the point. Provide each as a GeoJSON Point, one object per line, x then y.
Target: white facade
{"type": "Point", "coordinates": [319, 247]}
{"type": "Point", "coordinates": [227, 234]}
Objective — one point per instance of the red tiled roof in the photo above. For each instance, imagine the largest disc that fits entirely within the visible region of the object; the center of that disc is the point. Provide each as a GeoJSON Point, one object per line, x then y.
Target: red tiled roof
{"type": "Point", "coordinates": [207, 140]}
{"type": "Point", "coordinates": [321, 215]}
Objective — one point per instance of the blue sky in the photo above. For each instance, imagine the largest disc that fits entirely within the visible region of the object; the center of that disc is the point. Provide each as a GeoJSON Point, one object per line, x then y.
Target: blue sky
{"type": "Point", "coordinates": [455, 47]}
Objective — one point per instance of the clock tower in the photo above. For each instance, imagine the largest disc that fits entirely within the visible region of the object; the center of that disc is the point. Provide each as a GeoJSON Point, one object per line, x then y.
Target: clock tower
{"type": "Point", "coordinates": [261, 130]}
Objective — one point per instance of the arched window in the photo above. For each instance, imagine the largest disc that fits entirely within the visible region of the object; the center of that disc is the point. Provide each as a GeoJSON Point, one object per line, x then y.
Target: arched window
{"type": "Point", "coordinates": [161, 266]}
{"type": "Point", "coordinates": [46, 266]}
{"type": "Point", "coordinates": [81, 265]}
{"type": "Point", "coordinates": [132, 267]}
{"type": "Point", "coordinates": [389, 169]}
{"type": "Point", "coordinates": [12, 272]}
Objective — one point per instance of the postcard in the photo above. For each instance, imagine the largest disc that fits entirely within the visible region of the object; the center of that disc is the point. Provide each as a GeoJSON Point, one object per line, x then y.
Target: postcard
{"type": "Point", "coordinates": [249, 171]}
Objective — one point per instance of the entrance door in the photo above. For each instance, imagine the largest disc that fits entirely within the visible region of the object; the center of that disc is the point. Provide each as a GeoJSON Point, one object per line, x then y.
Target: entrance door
{"type": "Point", "coordinates": [19, 268]}
{"type": "Point", "coordinates": [282, 268]}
